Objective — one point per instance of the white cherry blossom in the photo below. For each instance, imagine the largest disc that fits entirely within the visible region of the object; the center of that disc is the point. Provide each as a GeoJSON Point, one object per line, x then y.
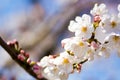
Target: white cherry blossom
{"type": "Point", "coordinates": [99, 10]}
{"type": "Point", "coordinates": [57, 69]}
{"type": "Point", "coordinates": [82, 26]}
{"type": "Point", "coordinates": [110, 24]}
{"type": "Point", "coordinates": [114, 42]}
{"type": "Point", "coordinates": [76, 47]}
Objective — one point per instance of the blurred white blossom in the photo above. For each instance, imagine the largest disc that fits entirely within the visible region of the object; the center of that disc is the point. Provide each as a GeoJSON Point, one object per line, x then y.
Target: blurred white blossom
{"type": "Point", "coordinates": [99, 10]}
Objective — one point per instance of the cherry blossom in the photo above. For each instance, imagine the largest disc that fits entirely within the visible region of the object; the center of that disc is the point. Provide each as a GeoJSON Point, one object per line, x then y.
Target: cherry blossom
{"type": "Point", "coordinates": [99, 10]}
{"type": "Point", "coordinates": [82, 26]}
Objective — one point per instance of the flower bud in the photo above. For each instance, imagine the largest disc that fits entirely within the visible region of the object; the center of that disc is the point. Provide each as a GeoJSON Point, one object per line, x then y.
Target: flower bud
{"type": "Point", "coordinates": [22, 52]}
{"type": "Point", "coordinates": [21, 57]}
{"type": "Point", "coordinates": [32, 63]}
{"type": "Point", "coordinates": [28, 61]}
{"type": "Point", "coordinates": [15, 41]}
{"type": "Point", "coordinates": [97, 18]}
{"type": "Point", "coordinates": [8, 43]}
{"type": "Point", "coordinates": [40, 76]}
{"type": "Point", "coordinates": [26, 55]}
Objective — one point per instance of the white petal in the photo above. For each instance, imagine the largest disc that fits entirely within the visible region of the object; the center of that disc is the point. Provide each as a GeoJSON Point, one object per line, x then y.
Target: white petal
{"type": "Point", "coordinates": [73, 26]}
{"type": "Point", "coordinates": [119, 7]}
{"type": "Point", "coordinates": [100, 35]}
{"type": "Point", "coordinates": [78, 19]}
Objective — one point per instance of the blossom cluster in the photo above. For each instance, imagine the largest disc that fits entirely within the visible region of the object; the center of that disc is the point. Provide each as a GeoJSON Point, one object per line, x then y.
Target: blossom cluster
{"type": "Point", "coordinates": [95, 35]}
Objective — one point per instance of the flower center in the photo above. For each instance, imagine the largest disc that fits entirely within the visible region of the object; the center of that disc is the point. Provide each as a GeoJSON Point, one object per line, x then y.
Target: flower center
{"type": "Point", "coordinates": [55, 69]}
{"type": "Point", "coordinates": [103, 49]}
{"type": "Point", "coordinates": [113, 24]}
{"type": "Point", "coordinates": [81, 43]}
{"type": "Point", "coordinates": [89, 51]}
{"type": "Point", "coordinates": [116, 38]}
{"type": "Point", "coordinates": [65, 61]}
{"type": "Point", "coordinates": [84, 29]}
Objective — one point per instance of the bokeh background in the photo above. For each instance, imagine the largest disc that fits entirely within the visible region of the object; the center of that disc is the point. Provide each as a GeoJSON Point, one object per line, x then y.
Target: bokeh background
{"type": "Point", "coordinates": [39, 26]}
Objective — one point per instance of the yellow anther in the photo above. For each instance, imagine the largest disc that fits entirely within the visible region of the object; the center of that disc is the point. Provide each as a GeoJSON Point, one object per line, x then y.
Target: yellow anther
{"type": "Point", "coordinates": [84, 29]}
{"type": "Point", "coordinates": [89, 51]}
{"type": "Point", "coordinates": [55, 69]}
{"type": "Point", "coordinates": [81, 43]}
{"type": "Point", "coordinates": [103, 49]}
{"type": "Point", "coordinates": [116, 38]}
{"type": "Point", "coordinates": [113, 24]}
{"type": "Point", "coordinates": [65, 61]}
{"type": "Point", "coordinates": [70, 53]}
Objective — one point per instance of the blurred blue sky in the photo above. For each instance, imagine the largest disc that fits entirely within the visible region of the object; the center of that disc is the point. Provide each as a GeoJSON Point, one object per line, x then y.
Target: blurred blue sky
{"type": "Point", "coordinates": [11, 6]}
{"type": "Point", "coordinates": [100, 69]}
{"type": "Point", "coordinates": [8, 7]}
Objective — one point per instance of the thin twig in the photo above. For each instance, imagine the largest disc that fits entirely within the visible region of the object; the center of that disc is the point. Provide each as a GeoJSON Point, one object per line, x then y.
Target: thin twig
{"type": "Point", "coordinates": [83, 61]}
{"type": "Point", "coordinates": [13, 55]}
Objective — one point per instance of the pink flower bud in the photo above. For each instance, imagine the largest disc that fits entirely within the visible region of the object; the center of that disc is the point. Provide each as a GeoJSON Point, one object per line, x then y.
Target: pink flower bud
{"type": "Point", "coordinates": [94, 45]}
{"type": "Point", "coordinates": [40, 76]}
{"type": "Point", "coordinates": [28, 61]}
{"type": "Point", "coordinates": [36, 71]}
{"type": "Point", "coordinates": [97, 18]}
{"type": "Point", "coordinates": [79, 67]}
{"type": "Point", "coordinates": [36, 67]}
{"type": "Point", "coordinates": [52, 56]}
{"type": "Point", "coordinates": [26, 55]}
{"type": "Point", "coordinates": [15, 41]}
{"type": "Point", "coordinates": [8, 43]}
{"type": "Point", "coordinates": [22, 52]}
{"type": "Point", "coordinates": [21, 57]}
{"type": "Point", "coordinates": [12, 42]}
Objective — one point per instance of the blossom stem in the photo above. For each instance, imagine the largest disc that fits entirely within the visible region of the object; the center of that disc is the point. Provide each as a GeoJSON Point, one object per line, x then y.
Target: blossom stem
{"type": "Point", "coordinates": [13, 55]}
{"type": "Point", "coordinates": [83, 61]}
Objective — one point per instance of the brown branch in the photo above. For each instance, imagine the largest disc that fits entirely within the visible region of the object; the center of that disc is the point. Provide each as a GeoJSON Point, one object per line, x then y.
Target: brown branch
{"type": "Point", "coordinates": [13, 55]}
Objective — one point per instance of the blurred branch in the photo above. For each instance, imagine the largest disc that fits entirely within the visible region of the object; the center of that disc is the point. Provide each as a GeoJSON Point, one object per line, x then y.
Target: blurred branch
{"type": "Point", "coordinates": [62, 19]}
{"type": "Point", "coordinates": [14, 56]}
{"type": "Point", "coordinates": [45, 27]}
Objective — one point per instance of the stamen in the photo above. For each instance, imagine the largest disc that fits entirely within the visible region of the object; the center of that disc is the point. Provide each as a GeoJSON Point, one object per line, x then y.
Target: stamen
{"type": "Point", "coordinates": [65, 61]}
{"type": "Point", "coordinates": [81, 43]}
{"type": "Point", "coordinates": [84, 29]}
{"type": "Point", "coordinates": [113, 24]}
